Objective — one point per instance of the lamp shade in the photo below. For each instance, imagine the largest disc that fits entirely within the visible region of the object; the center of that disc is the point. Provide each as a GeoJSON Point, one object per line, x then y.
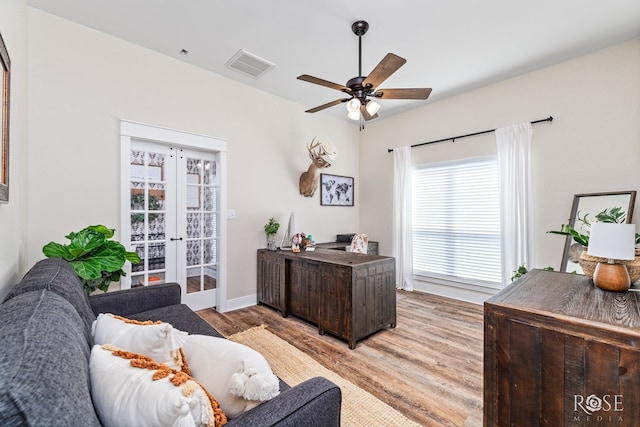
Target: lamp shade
{"type": "Point", "coordinates": [612, 241]}
{"type": "Point", "coordinates": [353, 109]}
{"type": "Point", "coordinates": [372, 107]}
{"type": "Point", "coordinates": [354, 115]}
{"type": "Point", "coordinates": [353, 105]}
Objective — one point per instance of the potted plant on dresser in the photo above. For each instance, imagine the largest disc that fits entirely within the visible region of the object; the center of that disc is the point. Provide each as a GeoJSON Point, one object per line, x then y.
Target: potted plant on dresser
{"type": "Point", "coordinates": [271, 228]}
{"type": "Point", "coordinates": [581, 242]}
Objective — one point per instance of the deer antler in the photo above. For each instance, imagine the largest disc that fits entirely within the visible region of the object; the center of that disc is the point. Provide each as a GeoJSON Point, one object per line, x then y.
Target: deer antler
{"type": "Point", "coordinates": [319, 149]}
{"type": "Point", "coordinates": [314, 153]}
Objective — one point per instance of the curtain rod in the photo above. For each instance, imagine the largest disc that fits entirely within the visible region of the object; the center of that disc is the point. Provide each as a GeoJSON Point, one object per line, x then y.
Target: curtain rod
{"type": "Point", "coordinates": [453, 138]}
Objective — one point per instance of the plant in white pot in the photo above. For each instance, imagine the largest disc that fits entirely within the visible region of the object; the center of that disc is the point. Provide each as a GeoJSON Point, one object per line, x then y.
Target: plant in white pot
{"type": "Point", "coordinates": [271, 228]}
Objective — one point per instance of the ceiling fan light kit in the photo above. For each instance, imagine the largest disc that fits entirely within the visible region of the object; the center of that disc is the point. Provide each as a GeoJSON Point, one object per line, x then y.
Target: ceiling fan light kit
{"type": "Point", "coordinates": [361, 88]}
{"type": "Point", "coordinates": [353, 109]}
{"type": "Point", "coordinates": [372, 107]}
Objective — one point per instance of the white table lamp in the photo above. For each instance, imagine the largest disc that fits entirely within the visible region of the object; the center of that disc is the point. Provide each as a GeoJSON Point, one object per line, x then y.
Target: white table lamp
{"type": "Point", "coordinates": [614, 242]}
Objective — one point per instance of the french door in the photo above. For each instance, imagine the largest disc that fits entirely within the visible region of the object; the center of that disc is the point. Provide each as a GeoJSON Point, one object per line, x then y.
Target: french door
{"type": "Point", "coordinates": [173, 218]}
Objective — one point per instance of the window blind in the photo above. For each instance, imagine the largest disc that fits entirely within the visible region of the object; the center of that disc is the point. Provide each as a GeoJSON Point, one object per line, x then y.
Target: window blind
{"type": "Point", "coordinates": [456, 221]}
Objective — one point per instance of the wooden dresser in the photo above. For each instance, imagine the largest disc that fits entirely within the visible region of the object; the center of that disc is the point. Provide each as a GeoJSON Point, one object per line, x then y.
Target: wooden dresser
{"type": "Point", "coordinates": [347, 295]}
{"type": "Point", "coordinates": [558, 351]}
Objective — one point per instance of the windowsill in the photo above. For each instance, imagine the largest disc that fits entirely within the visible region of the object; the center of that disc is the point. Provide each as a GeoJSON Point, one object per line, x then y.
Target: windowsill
{"type": "Point", "coordinates": [474, 292]}
{"type": "Point", "coordinates": [459, 282]}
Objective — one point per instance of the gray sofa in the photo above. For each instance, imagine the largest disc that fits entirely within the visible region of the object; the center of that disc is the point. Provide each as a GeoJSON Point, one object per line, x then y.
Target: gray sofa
{"type": "Point", "coordinates": [45, 336]}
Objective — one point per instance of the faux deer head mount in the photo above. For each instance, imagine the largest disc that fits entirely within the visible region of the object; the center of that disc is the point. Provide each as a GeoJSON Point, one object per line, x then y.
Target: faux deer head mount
{"type": "Point", "coordinates": [320, 153]}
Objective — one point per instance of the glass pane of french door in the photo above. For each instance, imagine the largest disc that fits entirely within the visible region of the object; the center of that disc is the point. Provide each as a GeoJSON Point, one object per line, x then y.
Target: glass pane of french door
{"type": "Point", "coordinates": [148, 214]}
{"type": "Point", "coordinates": [199, 210]}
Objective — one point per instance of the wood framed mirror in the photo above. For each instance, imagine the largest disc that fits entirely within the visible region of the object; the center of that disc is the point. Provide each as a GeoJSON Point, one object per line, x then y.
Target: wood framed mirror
{"type": "Point", "coordinates": [5, 73]}
{"type": "Point", "coordinates": [590, 205]}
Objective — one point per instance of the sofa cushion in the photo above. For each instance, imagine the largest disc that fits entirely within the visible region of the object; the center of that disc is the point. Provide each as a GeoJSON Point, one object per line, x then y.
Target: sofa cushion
{"type": "Point", "coordinates": [183, 318]}
{"type": "Point", "coordinates": [158, 340]}
{"type": "Point", "coordinates": [57, 275]}
{"type": "Point", "coordinates": [44, 362]}
{"type": "Point", "coordinates": [238, 376]}
{"type": "Point", "coordinates": [133, 390]}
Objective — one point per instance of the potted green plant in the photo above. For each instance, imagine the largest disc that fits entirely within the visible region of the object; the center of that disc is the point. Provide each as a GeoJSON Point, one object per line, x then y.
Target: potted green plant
{"type": "Point", "coordinates": [96, 260]}
{"type": "Point", "coordinates": [613, 215]}
{"type": "Point", "coordinates": [581, 239]}
{"type": "Point", "coordinates": [522, 270]}
{"type": "Point", "coordinates": [271, 228]}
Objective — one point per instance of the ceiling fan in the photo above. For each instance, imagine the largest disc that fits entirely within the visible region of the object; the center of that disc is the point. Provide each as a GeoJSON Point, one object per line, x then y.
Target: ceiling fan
{"type": "Point", "coordinates": [362, 89]}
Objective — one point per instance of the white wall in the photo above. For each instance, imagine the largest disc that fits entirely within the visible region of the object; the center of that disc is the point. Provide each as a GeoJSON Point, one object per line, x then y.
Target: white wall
{"type": "Point", "coordinates": [13, 27]}
{"type": "Point", "coordinates": [82, 82]}
{"type": "Point", "coordinates": [593, 145]}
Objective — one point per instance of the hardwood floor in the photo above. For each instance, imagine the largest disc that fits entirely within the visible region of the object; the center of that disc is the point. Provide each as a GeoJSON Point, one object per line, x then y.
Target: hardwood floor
{"type": "Point", "coordinates": [193, 283]}
{"type": "Point", "coordinates": [429, 367]}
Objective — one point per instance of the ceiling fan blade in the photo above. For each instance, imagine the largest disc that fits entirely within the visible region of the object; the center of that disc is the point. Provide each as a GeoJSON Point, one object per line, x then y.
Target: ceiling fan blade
{"type": "Point", "coordinates": [327, 105]}
{"type": "Point", "coordinates": [321, 82]}
{"type": "Point", "coordinates": [417, 93]}
{"type": "Point", "coordinates": [365, 113]}
{"type": "Point", "coordinates": [389, 65]}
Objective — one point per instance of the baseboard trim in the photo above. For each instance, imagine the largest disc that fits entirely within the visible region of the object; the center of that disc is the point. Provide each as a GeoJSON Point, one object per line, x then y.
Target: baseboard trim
{"type": "Point", "coordinates": [242, 302]}
{"type": "Point", "coordinates": [462, 294]}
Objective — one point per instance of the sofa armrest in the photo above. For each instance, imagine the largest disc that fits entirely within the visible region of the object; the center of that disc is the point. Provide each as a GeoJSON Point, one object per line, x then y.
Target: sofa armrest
{"type": "Point", "coordinates": [315, 402]}
{"type": "Point", "coordinates": [135, 300]}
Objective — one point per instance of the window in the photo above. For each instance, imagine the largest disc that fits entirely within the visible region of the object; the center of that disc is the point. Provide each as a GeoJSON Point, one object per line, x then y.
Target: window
{"type": "Point", "coordinates": [456, 222]}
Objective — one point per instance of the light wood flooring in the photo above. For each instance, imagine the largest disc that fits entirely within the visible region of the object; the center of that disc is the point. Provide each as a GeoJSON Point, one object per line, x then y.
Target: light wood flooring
{"type": "Point", "coordinates": [429, 367]}
{"type": "Point", "coordinates": [193, 283]}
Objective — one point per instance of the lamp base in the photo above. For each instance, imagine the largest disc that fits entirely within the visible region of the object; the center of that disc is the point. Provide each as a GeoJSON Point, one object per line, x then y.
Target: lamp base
{"type": "Point", "coordinates": [611, 277]}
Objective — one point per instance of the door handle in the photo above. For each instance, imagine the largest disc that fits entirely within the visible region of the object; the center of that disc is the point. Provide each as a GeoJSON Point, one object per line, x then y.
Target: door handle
{"type": "Point", "coordinates": [172, 239]}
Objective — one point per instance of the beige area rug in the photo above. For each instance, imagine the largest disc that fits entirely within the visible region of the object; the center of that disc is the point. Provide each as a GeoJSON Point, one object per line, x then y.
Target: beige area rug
{"type": "Point", "coordinates": [359, 407]}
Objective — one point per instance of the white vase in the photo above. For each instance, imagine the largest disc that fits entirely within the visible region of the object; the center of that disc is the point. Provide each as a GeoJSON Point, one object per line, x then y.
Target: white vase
{"type": "Point", "coordinates": [271, 242]}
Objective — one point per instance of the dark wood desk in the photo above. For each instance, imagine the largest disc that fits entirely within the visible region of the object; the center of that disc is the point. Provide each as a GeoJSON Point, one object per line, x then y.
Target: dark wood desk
{"type": "Point", "coordinates": [347, 295]}
{"type": "Point", "coordinates": [559, 351]}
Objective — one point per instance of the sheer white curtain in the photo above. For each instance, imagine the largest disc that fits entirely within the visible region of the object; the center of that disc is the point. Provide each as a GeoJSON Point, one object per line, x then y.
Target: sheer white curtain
{"type": "Point", "coordinates": [516, 197]}
{"type": "Point", "coordinates": [402, 245]}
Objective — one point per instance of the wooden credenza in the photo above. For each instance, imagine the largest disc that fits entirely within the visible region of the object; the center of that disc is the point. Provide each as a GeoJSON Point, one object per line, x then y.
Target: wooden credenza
{"type": "Point", "coordinates": [347, 295]}
{"type": "Point", "coordinates": [559, 351]}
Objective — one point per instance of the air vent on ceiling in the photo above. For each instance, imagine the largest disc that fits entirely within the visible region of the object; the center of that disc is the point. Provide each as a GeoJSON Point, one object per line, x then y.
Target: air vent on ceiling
{"type": "Point", "coordinates": [249, 64]}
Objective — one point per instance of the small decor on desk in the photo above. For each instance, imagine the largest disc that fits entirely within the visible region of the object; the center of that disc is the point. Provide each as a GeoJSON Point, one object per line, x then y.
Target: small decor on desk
{"type": "Point", "coordinates": [271, 228]}
{"type": "Point", "coordinates": [302, 241]}
{"type": "Point", "coordinates": [613, 242]}
{"type": "Point", "coordinates": [296, 241]}
{"type": "Point", "coordinates": [96, 260]}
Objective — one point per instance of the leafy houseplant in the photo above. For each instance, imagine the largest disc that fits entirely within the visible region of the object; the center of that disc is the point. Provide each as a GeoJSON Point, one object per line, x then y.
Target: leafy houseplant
{"type": "Point", "coordinates": [612, 215]}
{"type": "Point", "coordinates": [578, 251]}
{"type": "Point", "coordinates": [97, 260]}
{"type": "Point", "coordinates": [522, 270]}
{"type": "Point", "coordinates": [271, 228]}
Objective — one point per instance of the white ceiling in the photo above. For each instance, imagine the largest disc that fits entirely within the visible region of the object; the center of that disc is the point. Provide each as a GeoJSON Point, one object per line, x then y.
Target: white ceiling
{"type": "Point", "coordinates": [451, 46]}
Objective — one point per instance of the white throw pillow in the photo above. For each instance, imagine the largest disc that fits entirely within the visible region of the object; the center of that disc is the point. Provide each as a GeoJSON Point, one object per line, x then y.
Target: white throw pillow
{"type": "Point", "coordinates": [125, 392]}
{"type": "Point", "coordinates": [239, 377]}
{"type": "Point", "coordinates": [158, 340]}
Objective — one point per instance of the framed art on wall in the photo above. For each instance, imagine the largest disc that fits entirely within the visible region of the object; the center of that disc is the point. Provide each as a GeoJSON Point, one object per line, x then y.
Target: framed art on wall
{"type": "Point", "coordinates": [336, 190]}
{"type": "Point", "coordinates": [5, 71]}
